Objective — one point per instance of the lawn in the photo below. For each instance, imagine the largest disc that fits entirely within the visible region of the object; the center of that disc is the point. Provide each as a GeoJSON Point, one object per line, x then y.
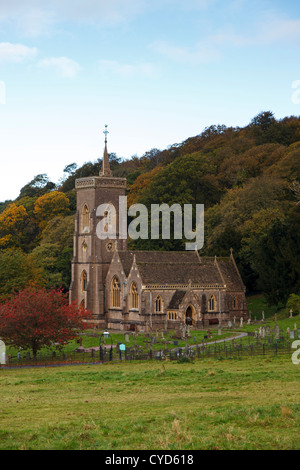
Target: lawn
{"type": "Point", "coordinates": [209, 404]}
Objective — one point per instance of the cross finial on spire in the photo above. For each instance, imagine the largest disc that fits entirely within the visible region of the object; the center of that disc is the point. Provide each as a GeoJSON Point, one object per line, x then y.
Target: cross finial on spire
{"type": "Point", "coordinates": [105, 170]}
{"type": "Point", "coordinates": [105, 132]}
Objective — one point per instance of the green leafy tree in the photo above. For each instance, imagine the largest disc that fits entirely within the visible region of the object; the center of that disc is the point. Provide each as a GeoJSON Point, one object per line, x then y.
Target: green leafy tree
{"type": "Point", "coordinates": [17, 270]}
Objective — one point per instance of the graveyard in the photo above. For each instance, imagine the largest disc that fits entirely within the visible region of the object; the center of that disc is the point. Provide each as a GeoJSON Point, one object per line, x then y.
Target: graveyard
{"type": "Point", "coordinates": [266, 332]}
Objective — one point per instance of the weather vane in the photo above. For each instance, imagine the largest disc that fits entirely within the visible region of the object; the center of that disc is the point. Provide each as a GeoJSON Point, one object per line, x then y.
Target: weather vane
{"type": "Point", "coordinates": [105, 132]}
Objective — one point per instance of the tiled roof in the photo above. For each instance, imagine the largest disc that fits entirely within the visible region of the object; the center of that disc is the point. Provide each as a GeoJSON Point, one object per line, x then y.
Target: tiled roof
{"type": "Point", "coordinates": [176, 299]}
{"type": "Point", "coordinates": [181, 267]}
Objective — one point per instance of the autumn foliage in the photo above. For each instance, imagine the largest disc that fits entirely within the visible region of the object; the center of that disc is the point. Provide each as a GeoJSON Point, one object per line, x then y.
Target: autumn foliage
{"type": "Point", "coordinates": [35, 318]}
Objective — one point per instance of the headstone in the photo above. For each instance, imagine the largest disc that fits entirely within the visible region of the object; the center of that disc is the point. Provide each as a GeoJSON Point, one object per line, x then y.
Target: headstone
{"type": "Point", "coordinates": [249, 321]}
{"type": "Point", "coordinates": [276, 332]}
{"type": "Point", "coordinates": [229, 324]}
{"type": "Point", "coordinates": [299, 333]}
{"type": "Point", "coordinates": [234, 318]}
{"type": "Point", "coordinates": [241, 322]}
{"type": "Point", "coordinates": [295, 326]}
{"type": "Point", "coordinates": [292, 334]}
{"type": "Point", "coordinates": [127, 338]}
{"type": "Point", "coordinates": [2, 352]}
{"type": "Point", "coordinates": [262, 316]}
{"type": "Point", "coordinates": [291, 313]}
{"type": "Point", "coordinates": [219, 332]}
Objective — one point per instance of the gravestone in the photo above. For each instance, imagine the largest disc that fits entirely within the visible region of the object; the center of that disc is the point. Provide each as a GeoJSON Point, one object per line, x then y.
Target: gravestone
{"type": "Point", "coordinates": [2, 352]}
{"type": "Point", "coordinates": [299, 333]}
{"type": "Point", "coordinates": [292, 334]}
{"type": "Point", "coordinates": [127, 338]}
{"type": "Point", "coordinates": [262, 316]}
{"type": "Point", "coordinates": [276, 331]}
{"type": "Point", "coordinates": [291, 313]}
{"type": "Point", "coordinates": [241, 322]}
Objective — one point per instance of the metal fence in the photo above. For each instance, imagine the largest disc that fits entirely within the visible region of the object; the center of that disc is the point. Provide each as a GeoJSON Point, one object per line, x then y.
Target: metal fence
{"type": "Point", "coordinates": [218, 350]}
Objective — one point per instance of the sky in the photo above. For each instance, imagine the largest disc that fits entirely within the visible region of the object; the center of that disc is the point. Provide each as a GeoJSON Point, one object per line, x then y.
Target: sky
{"type": "Point", "coordinates": [155, 71]}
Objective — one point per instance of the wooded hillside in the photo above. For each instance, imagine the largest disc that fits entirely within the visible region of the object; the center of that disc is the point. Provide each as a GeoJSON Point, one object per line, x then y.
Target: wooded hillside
{"type": "Point", "coordinates": [248, 178]}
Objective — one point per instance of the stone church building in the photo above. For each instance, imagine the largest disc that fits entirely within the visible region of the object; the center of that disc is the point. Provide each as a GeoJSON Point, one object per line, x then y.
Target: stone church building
{"type": "Point", "coordinates": [145, 290]}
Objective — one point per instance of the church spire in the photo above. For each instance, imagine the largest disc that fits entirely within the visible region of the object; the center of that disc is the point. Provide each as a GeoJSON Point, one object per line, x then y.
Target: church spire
{"type": "Point", "coordinates": [105, 170]}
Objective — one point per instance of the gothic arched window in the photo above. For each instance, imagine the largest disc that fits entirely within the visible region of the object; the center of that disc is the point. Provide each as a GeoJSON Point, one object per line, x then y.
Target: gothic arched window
{"type": "Point", "coordinates": [158, 304]}
{"type": "Point", "coordinates": [212, 303]}
{"type": "Point", "coordinates": [116, 292]}
{"type": "Point", "coordinates": [134, 296]}
{"type": "Point", "coordinates": [85, 219]}
{"type": "Point", "coordinates": [83, 281]}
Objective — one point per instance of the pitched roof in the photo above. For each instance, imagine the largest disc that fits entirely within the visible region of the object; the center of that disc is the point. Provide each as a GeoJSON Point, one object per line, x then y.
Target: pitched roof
{"type": "Point", "coordinates": [176, 299]}
{"type": "Point", "coordinates": [171, 268]}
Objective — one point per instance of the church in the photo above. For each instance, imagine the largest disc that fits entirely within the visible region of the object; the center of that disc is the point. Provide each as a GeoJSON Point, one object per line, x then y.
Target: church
{"type": "Point", "coordinates": [145, 290]}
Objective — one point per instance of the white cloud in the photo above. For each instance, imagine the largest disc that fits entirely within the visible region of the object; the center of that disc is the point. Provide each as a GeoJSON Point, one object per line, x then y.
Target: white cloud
{"type": "Point", "coordinates": [37, 17]}
{"type": "Point", "coordinates": [202, 52]}
{"type": "Point", "coordinates": [274, 29]}
{"type": "Point", "coordinates": [67, 68]}
{"type": "Point", "coordinates": [127, 70]}
{"type": "Point", "coordinates": [16, 52]}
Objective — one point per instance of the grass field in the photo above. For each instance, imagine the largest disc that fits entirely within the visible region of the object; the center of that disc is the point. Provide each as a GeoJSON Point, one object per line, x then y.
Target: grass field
{"type": "Point", "coordinates": [209, 404]}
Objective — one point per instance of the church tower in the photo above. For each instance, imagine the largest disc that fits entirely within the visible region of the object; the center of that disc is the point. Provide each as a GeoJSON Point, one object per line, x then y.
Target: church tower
{"type": "Point", "coordinates": [94, 240]}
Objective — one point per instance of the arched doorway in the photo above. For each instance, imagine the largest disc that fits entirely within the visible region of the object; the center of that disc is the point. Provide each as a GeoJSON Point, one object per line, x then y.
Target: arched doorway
{"type": "Point", "coordinates": [190, 315]}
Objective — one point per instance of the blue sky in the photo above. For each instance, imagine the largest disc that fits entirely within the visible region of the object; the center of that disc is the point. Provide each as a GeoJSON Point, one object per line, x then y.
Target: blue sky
{"type": "Point", "coordinates": [156, 71]}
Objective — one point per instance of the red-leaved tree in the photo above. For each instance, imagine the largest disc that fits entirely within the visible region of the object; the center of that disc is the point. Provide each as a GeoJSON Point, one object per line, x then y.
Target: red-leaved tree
{"type": "Point", "coordinates": [35, 317]}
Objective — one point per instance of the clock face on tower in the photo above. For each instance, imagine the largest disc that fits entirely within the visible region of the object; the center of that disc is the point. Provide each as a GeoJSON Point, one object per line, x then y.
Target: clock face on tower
{"type": "Point", "coordinates": [110, 246]}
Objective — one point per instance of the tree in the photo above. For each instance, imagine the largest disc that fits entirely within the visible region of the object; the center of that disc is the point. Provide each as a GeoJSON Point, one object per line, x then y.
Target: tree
{"type": "Point", "coordinates": [37, 187]}
{"type": "Point", "coordinates": [55, 250]}
{"type": "Point", "coordinates": [12, 223]}
{"type": "Point", "coordinates": [51, 205]}
{"type": "Point", "coordinates": [17, 270]}
{"type": "Point", "coordinates": [35, 318]}
{"type": "Point", "coordinates": [293, 303]}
